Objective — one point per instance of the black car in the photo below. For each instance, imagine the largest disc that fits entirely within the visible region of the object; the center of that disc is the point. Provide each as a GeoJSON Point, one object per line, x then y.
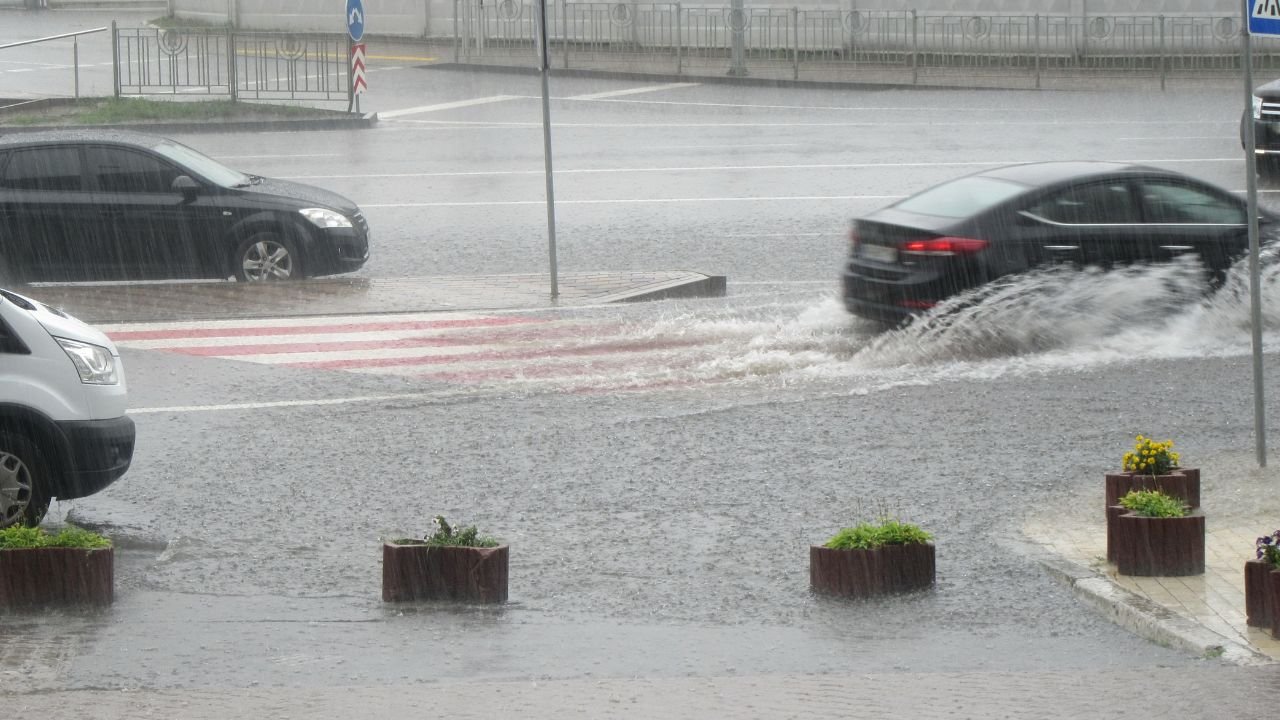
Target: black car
{"type": "Point", "coordinates": [105, 205]}
{"type": "Point", "coordinates": [909, 256]}
{"type": "Point", "coordinates": [1266, 121]}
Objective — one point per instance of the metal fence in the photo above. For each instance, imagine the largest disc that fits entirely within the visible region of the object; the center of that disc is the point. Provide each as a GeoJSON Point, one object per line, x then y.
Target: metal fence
{"type": "Point", "coordinates": [239, 65]}
{"type": "Point", "coordinates": [668, 37]}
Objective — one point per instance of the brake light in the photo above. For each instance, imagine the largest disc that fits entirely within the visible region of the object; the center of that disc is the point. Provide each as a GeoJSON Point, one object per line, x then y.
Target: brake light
{"type": "Point", "coordinates": [944, 246]}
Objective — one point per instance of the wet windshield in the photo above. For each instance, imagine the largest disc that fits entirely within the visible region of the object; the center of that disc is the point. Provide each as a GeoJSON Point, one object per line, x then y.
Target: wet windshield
{"type": "Point", "coordinates": [962, 198]}
{"type": "Point", "coordinates": [204, 165]}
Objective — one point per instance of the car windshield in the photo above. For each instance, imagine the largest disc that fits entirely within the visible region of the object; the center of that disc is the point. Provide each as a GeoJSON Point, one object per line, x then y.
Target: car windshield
{"type": "Point", "coordinates": [204, 165]}
{"type": "Point", "coordinates": [961, 198]}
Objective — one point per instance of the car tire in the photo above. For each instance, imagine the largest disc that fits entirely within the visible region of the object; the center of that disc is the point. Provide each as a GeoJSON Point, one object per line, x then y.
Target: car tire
{"type": "Point", "coordinates": [24, 479]}
{"type": "Point", "coordinates": [267, 256]}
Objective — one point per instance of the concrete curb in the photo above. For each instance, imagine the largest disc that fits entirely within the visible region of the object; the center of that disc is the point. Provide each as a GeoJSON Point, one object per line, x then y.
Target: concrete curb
{"type": "Point", "coordinates": [365, 121]}
{"type": "Point", "coordinates": [704, 79]}
{"type": "Point", "coordinates": [1145, 618]}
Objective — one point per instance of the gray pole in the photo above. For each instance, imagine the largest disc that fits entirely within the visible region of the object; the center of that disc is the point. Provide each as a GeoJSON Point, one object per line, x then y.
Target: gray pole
{"type": "Point", "coordinates": [737, 45]}
{"type": "Point", "coordinates": [1255, 291]}
{"type": "Point", "coordinates": [544, 58]}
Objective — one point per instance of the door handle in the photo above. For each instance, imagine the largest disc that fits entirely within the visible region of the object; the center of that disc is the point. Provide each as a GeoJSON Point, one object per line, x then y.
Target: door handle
{"type": "Point", "coordinates": [1062, 248]}
{"type": "Point", "coordinates": [1177, 248]}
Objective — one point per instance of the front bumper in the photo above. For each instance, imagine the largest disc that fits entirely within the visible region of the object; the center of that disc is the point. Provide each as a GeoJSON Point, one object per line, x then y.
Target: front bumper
{"type": "Point", "coordinates": [98, 452]}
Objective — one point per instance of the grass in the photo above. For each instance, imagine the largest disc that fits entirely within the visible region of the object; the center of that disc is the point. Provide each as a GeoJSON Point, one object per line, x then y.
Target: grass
{"type": "Point", "coordinates": [867, 536]}
{"type": "Point", "coordinates": [18, 537]}
{"type": "Point", "coordinates": [166, 22]}
{"type": "Point", "coordinates": [116, 111]}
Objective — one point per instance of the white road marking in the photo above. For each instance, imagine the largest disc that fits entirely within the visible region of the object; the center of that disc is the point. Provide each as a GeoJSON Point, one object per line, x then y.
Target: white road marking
{"type": "Point", "coordinates": [629, 91]}
{"type": "Point", "coordinates": [636, 201]}
{"type": "Point", "coordinates": [292, 403]}
{"type": "Point", "coordinates": [288, 157]}
{"type": "Point", "coordinates": [722, 168]}
{"type": "Point", "coordinates": [1183, 137]}
{"type": "Point", "coordinates": [494, 124]}
{"type": "Point", "coordinates": [837, 108]}
{"type": "Point", "coordinates": [444, 106]}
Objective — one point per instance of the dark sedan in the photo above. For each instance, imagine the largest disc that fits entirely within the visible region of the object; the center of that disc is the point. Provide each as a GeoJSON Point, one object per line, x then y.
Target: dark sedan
{"type": "Point", "coordinates": [910, 256]}
{"type": "Point", "coordinates": [105, 205]}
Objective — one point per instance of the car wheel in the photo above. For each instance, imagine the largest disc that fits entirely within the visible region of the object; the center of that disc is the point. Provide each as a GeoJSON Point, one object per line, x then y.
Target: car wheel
{"type": "Point", "coordinates": [268, 256]}
{"type": "Point", "coordinates": [23, 478]}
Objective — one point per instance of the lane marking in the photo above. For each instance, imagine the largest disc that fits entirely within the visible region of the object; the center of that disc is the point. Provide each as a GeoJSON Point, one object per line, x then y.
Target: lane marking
{"type": "Point", "coordinates": [838, 108]}
{"type": "Point", "coordinates": [495, 124]}
{"type": "Point", "coordinates": [445, 106]}
{"type": "Point", "coordinates": [301, 327]}
{"type": "Point", "coordinates": [636, 201]}
{"type": "Point", "coordinates": [298, 403]}
{"type": "Point", "coordinates": [721, 168]}
{"type": "Point", "coordinates": [289, 156]}
{"type": "Point", "coordinates": [628, 91]}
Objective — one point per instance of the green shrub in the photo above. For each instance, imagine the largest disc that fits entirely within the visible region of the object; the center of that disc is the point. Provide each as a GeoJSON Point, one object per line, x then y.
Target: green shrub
{"type": "Point", "coordinates": [17, 537]}
{"type": "Point", "coordinates": [1153, 503]}
{"type": "Point", "coordinates": [446, 536]}
{"type": "Point", "coordinates": [866, 535]}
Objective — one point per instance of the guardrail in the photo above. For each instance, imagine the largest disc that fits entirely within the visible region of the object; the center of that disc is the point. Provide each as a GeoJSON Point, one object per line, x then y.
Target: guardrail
{"type": "Point", "coordinates": [75, 49]}
{"type": "Point", "coordinates": [671, 36]}
{"type": "Point", "coordinates": [236, 64]}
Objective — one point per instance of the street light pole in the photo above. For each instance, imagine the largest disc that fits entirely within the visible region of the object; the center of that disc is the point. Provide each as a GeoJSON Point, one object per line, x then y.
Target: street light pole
{"type": "Point", "coordinates": [544, 59]}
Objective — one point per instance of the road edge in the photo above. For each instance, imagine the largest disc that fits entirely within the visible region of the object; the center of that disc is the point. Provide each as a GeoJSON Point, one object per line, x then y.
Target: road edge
{"type": "Point", "coordinates": [1145, 618]}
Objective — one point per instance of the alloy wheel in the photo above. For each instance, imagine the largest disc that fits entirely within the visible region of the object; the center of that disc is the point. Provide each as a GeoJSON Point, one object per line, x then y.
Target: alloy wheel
{"type": "Point", "coordinates": [15, 488]}
{"type": "Point", "coordinates": [267, 260]}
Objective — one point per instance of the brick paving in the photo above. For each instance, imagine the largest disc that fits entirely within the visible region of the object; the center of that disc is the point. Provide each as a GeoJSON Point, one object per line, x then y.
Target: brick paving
{"type": "Point", "coordinates": [1234, 520]}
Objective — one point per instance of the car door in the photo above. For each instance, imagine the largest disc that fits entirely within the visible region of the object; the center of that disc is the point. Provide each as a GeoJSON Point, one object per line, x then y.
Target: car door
{"type": "Point", "coordinates": [53, 230]}
{"type": "Point", "coordinates": [1090, 223]}
{"type": "Point", "coordinates": [1183, 218]}
{"type": "Point", "coordinates": [148, 221]}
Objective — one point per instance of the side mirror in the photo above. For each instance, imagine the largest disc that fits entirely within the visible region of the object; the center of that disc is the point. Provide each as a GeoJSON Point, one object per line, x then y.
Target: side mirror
{"type": "Point", "coordinates": [185, 185]}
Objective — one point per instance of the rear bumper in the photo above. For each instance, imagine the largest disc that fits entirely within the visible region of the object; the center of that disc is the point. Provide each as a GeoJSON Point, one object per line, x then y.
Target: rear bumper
{"type": "Point", "coordinates": [98, 453]}
{"type": "Point", "coordinates": [882, 302]}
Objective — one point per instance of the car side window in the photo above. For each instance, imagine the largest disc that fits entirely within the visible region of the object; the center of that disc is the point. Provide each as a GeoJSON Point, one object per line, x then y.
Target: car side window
{"type": "Point", "coordinates": [118, 170]}
{"type": "Point", "coordinates": [1166, 202]}
{"type": "Point", "coordinates": [1094, 204]}
{"type": "Point", "coordinates": [47, 168]}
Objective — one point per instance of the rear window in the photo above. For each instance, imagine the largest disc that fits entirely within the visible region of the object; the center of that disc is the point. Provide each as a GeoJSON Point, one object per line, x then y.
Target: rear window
{"type": "Point", "coordinates": [962, 198]}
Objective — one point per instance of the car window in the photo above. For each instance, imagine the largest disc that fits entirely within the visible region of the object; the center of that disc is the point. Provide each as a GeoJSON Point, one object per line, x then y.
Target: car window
{"type": "Point", "coordinates": [203, 165]}
{"type": "Point", "coordinates": [1093, 204]}
{"type": "Point", "coordinates": [961, 198]}
{"type": "Point", "coordinates": [129, 171]}
{"type": "Point", "coordinates": [46, 168]}
{"type": "Point", "coordinates": [1166, 202]}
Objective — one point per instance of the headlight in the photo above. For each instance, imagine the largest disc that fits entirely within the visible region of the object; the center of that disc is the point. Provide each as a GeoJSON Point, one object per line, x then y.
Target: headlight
{"type": "Point", "coordinates": [1257, 108]}
{"type": "Point", "coordinates": [94, 363]}
{"type": "Point", "coordinates": [321, 217]}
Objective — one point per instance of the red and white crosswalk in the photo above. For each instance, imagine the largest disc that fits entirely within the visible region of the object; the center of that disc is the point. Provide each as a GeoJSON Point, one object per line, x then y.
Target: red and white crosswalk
{"type": "Point", "coordinates": [476, 349]}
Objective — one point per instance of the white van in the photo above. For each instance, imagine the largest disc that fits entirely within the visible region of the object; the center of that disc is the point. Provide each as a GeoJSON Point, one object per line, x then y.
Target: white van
{"type": "Point", "coordinates": [63, 429]}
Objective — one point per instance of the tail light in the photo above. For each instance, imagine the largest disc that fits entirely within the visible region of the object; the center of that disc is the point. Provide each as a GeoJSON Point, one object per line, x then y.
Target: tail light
{"type": "Point", "coordinates": [853, 240]}
{"type": "Point", "coordinates": [943, 246]}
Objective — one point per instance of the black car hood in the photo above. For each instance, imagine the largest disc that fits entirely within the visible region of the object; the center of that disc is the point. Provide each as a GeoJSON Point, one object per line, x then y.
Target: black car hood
{"type": "Point", "coordinates": [1269, 91]}
{"type": "Point", "coordinates": [304, 195]}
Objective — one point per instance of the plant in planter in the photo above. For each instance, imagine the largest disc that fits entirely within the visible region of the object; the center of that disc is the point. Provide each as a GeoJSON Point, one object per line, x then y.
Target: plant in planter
{"type": "Point", "coordinates": [1158, 535]}
{"type": "Point", "coordinates": [73, 566]}
{"type": "Point", "coordinates": [1151, 465]}
{"type": "Point", "coordinates": [1259, 600]}
{"type": "Point", "coordinates": [869, 559]}
{"type": "Point", "coordinates": [449, 564]}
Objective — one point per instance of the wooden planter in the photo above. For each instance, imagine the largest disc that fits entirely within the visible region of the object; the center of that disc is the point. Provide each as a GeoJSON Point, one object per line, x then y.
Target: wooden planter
{"type": "Point", "coordinates": [1273, 598]}
{"type": "Point", "coordinates": [1257, 593]}
{"type": "Point", "coordinates": [868, 573]}
{"type": "Point", "coordinates": [1182, 483]}
{"type": "Point", "coordinates": [38, 577]}
{"type": "Point", "coordinates": [1160, 546]}
{"type": "Point", "coordinates": [427, 572]}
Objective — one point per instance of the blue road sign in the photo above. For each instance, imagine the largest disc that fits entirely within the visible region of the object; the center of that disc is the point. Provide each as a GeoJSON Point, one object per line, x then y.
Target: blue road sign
{"type": "Point", "coordinates": [1264, 17]}
{"type": "Point", "coordinates": [355, 19]}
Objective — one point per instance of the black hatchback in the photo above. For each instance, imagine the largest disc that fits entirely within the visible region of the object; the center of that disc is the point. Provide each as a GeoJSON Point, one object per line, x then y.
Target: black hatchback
{"type": "Point", "coordinates": [105, 205]}
{"type": "Point", "coordinates": [908, 257]}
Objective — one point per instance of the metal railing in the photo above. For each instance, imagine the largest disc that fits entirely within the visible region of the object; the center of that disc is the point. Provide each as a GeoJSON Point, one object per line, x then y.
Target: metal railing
{"type": "Point", "coordinates": [668, 37]}
{"type": "Point", "coordinates": [75, 49]}
{"type": "Point", "coordinates": [236, 64]}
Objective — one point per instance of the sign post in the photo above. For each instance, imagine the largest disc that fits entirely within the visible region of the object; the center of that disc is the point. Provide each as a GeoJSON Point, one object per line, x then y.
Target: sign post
{"type": "Point", "coordinates": [1261, 17]}
{"type": "Point", "coordinates": [544, 62]}
{"type": "Point", "coordinates": [355, 31]}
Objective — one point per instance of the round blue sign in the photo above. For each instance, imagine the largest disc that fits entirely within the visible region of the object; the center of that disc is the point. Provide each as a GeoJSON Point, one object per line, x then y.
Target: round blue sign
{"type": "Point", "coordinates": [355, 19]}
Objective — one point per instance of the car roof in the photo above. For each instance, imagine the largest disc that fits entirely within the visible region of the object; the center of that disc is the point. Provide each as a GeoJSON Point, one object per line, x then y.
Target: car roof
{"type": "Point", "coordinates": [77, 136]}
{"type": "Point", "coordinates": [1051, 173]}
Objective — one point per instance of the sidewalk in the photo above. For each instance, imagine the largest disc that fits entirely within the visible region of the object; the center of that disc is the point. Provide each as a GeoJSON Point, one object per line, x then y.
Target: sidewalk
{"type": "Point", "coordinates": [1196, 613]}
{"type": "Point", "coordinates": [161, 301]}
